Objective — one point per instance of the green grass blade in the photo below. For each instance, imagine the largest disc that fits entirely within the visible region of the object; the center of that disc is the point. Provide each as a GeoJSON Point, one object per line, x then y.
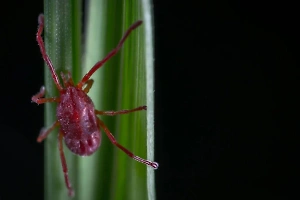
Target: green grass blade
{"type": "Point", "coordinates": [62, 40]}
{"type": "Point", "coordinates": [98, 43]}
{"type": "Point", "coordinates": [121, 84]}
{"type": "Point", "coordinates": [149, 65]}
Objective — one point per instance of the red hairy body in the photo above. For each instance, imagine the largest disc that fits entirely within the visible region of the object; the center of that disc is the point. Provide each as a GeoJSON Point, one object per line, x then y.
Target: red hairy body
{"type": "Point", "coordinates": [78, 121]}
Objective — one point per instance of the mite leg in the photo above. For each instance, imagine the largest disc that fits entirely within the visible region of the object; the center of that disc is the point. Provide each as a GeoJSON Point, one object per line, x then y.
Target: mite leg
{"type": "Point", "coordinates": [64, 165]}
{"type": "Point", "coordinates": [109, 55]}
{"type": "Point", "coordinates": [112, 113]}
{"type": "Point", "coordinates": [37, 98]}
{"type": "Point", "coordinates": [89, 84]}
{"type": "Point", "coordinates": [67, 79]}
{"type": "Point", "coordinates": [45, 132]}
{"type": "Point", "coordinates": [46, 58]}
{"type": "Point", "coordinates": [113, 140]}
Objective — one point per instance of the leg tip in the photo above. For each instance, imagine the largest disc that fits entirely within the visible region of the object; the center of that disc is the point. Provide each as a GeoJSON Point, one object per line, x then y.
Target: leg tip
{"type": "Point", "coordinates": [34, 99]}
{"type": "Point", "coordinates": [41, 19]}
{"type": "Point", "coordinates": [41, 135]}
{"type": "Point", "coordinates": [42, 89]}
{"type": "Point", "coordinates": [155, 165]}
{"type": "Point", "coordinates": [71, 193]}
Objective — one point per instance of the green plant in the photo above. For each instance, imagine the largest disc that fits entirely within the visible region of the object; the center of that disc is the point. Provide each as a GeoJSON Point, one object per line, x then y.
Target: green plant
{"type": "Point", "coordinates": [126, 81]}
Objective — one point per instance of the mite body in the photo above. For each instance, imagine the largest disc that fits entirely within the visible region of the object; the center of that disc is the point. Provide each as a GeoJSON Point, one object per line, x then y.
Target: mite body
{"type": "Point", "coordinates": [78, 121]}
{"type": "Point", "coordinates": [76, 114]}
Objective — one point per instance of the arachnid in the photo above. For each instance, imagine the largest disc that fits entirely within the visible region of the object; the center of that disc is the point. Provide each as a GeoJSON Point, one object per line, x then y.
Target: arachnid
{"type": "Point", "coordinates": [76, 114]}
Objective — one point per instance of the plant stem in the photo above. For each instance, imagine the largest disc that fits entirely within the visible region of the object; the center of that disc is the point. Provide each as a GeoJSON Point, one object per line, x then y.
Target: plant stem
{"type": "Point", "coordinates": [124, 82]}
{"type": "Point", "coordinates": [62, 41]}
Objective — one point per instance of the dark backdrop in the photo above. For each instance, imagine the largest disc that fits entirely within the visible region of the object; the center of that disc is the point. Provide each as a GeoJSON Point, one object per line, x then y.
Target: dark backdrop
{"type": "Point", "coordinates": [227, 113]}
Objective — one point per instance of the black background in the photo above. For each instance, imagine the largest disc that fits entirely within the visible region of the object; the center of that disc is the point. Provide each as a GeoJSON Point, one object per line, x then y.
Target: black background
{"type": "Point", "coordinates": [227, 99]}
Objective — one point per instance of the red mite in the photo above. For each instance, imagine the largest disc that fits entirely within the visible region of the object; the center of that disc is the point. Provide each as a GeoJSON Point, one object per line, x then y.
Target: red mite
{"type": "Point", "coordinates": [76, 115]}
